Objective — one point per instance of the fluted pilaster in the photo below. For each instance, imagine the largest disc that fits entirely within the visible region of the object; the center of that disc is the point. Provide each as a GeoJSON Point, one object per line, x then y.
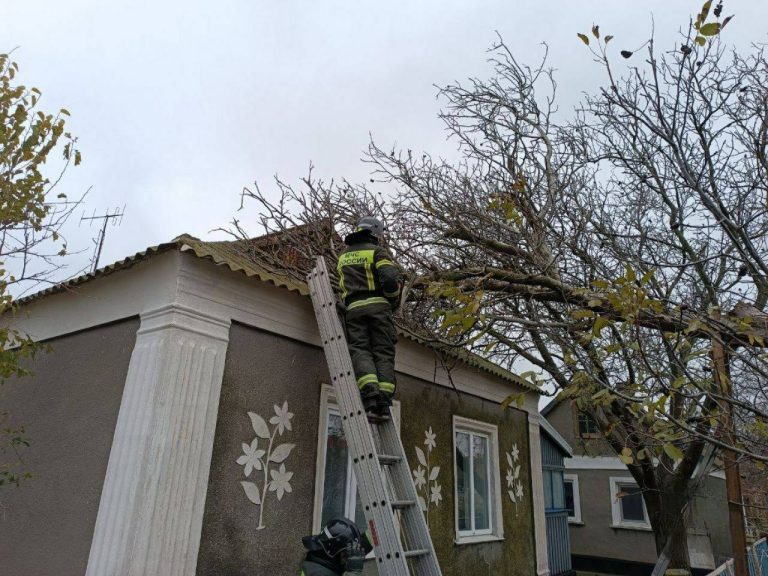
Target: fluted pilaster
{"type": "Point", "coordinates": [152, 501]}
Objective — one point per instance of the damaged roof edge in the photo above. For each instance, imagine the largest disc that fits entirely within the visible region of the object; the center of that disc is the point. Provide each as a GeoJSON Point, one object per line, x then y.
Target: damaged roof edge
{"type": "Point", "coordinates": [221, 254]}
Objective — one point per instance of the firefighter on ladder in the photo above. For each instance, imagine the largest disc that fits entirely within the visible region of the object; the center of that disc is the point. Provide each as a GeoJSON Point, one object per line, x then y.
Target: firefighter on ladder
{"type": "Point", "coordinates": [370, 290]}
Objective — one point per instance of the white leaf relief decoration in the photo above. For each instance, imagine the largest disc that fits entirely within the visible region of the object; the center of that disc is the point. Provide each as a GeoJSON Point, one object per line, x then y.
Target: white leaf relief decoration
{"type": "Point", "coordinates": [259, 425]}
{"type": "Point", "coordinates": [252, 491]}
{"type": "Point", "coordinates": [255, 458]}
{"type": "Point", "coordinates": [280, 453]}
{"type": "Point", "coordinates": [425, 477]}
{"type": "Point", "coordinates": [514, 484]}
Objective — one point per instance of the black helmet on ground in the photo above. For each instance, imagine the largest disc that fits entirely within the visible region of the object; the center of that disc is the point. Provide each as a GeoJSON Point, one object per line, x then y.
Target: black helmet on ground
{"type": "Point", "coordinates": [341, 542]}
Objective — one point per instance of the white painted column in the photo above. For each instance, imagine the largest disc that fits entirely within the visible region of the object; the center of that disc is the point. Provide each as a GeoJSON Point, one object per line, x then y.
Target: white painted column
{"type": "Point", "coordinates": [151, 510]}
{"type": "Point", "coordinates": [537, 481]}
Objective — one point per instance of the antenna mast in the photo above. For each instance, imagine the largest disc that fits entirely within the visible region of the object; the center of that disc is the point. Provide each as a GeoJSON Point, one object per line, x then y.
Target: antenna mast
{"type": "Point", "coordinates": [116, 218]}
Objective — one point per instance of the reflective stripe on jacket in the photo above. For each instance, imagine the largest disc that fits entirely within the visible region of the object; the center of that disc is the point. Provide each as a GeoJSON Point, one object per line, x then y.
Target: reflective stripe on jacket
{"type": "Point", "coordinates": [367, 275]}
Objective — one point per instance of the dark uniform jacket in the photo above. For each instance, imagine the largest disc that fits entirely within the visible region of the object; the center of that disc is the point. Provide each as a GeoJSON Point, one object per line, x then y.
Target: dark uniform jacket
{"type": "Point", "coordinates": [367, 275]}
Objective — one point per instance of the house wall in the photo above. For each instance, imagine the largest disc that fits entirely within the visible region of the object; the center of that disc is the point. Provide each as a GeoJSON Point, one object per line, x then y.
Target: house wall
{"type": "Point", "coordinates": [69, 408]}
{"type": "Point", "coordinates": [262, 371]}
{"type": "Point", "coordinates": [595, 538]}
{"type": "Point", "coordinates": [563, 419]}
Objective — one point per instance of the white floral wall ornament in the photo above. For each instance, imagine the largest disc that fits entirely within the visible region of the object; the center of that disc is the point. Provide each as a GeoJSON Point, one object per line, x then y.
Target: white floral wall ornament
{"type": "Point", "coordinates": [429, 494]}
{"type": "Point", "coordinates": [257, 459]}
{"type": "Point", "coordinates": [514, 484]}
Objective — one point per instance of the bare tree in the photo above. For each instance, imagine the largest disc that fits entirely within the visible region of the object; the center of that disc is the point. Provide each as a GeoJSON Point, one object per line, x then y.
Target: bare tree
{"type": "Point", "coordinates": [613, 250]}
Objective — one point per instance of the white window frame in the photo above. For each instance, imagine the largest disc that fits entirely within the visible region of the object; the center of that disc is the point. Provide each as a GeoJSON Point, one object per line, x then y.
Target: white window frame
{"type": "Point", "coordinates": [329, 405]}
{"type": "Point", "coordinates": [496, 530]}
{"type": "Point", "coordinates": [618, 521]}
{"type": "Point", "coordinates": [574, 480]}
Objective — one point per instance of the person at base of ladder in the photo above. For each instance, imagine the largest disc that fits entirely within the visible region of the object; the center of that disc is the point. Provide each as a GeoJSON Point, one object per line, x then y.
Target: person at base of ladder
{"type": "Point", "coordinates": [339, 548]}
{"type": "Point", "coordinates": [370, 290]}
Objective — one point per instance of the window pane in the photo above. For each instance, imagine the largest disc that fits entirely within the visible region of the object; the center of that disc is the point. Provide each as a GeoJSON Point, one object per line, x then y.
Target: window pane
{"type": "Point", "coordinates": [587, 425]}
{"type": "Point", "coordinates": [631, 503]}
{"type": "Point", "coordinates": [558, 491]}
{"type": "Point", "coordinates": [547, 488]}
{"type": "Point", "coordinates": [359, 513]}
{"type": "Point", "coordinates": [568, 484]}
{"type": "Point", "coordinates": [463, 481]}
{"type": "Point", "coordinates": [335, 481]}
{"type": "Point", "coordinates": [481, 481]}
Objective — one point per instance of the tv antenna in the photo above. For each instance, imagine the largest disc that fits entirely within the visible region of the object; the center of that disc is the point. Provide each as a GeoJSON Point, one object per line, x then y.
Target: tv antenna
{"type": "Point", "coordinates": [115, 217]}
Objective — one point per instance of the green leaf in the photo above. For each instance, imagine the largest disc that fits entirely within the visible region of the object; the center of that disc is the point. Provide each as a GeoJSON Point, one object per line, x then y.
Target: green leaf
{"type": "Point", "coordinates": [647, 276]}
{"type": "Point", "coordinates": [608, 38]}
{"type": "Point", "coordinates": [596, 31]}
{"type": "Point", "coordinates": [582, 314]}
{"type": "Point", "coordinates": [711, 29]}
{"type": "Point", "coordinates": [673, 452]}
{"type": "Point", "coordinates": [518, 399]}
{"type": "Point", "coordinates": [600, 323]}
{"type": "Point", "coordinates": [626, 455]}
{"type": "Point", "coordinates": [584, 38]}
{"type": "Point", "coordinates": [705, 10]}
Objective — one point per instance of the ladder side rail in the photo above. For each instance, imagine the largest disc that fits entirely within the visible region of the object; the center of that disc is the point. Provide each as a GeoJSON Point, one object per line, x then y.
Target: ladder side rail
{"type": "Point", "coordinates": [411, 518]}
{"type": "Point", "coordinates": [390, 555]}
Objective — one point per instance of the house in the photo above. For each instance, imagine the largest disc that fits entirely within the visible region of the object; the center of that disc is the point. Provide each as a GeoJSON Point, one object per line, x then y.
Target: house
{"type": "Point", "coordinates": [554, 450]}
{"type": "Point", "coordinates": [609, 528]}
{"type": "Point", "coordinates": [182, 424]}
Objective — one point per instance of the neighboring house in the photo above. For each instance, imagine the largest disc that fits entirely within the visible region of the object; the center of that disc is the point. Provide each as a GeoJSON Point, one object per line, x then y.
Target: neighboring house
{"type": "Point", "coordinates": [554, 450]}
{"type": "Point", "coordinates": [609, 527]}
{"type": "Point", "coordinates": [754, 487]}
{"type": "Point", "coordinates": [182, 424]}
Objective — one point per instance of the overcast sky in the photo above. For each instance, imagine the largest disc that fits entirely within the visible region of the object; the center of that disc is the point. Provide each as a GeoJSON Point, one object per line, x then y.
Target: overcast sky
{"type": "Point", "coordinates": [178, 105]}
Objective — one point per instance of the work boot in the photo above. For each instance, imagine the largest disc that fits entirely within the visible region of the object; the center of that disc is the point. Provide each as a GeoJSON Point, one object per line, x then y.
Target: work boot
{"type": "Point", "coordinates": [383, 404]}
{"type": "Point", "coordinates": [369, 394]}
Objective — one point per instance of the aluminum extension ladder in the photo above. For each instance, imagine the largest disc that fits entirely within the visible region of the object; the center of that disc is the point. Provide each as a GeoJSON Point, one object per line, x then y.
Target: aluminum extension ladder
{"type": "Point", "coordinates": [375, 447]}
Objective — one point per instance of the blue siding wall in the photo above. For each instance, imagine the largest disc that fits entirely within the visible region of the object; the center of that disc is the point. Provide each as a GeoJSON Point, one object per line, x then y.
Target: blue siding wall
{"type": "Point", "coordinates": [558, 539]}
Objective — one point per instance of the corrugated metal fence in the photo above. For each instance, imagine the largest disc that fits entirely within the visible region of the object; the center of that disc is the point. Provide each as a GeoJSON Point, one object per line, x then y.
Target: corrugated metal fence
{"type": "Point", "coordinates": [558, 543]}
{"type": "Point", "coordinates": [757, 558]}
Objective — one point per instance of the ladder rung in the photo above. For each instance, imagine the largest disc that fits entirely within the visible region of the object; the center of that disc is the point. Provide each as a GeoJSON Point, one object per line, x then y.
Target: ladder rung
{"type": "Point", "coordinates": [400, 504]}
{"type": "Point", "coordinates": [414, 553]}
{"type": "Point", "coordinates": [376, 419]}
{"type": "Point", "coordinates": [388, 459]}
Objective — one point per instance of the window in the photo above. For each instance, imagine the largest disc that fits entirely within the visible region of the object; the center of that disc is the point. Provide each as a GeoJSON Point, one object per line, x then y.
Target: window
{"type": "Point", "coordinates": [554, 491]}
{"type": "Point", "coordinates": [340, 497]}
{"type": "Point", "coordinates": [588, 428]}
{"type": "Point", "coordinates": [478, 504]}
{"type": "Point", "coordinates": [335, 484]}
{"type": "Point", "coordinates": [572, 499]}
{"type": "Point", "coordinates": [627, 506]}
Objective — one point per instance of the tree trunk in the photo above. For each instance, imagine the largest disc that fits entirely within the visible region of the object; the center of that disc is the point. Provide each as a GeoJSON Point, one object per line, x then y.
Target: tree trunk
{"type": "Point", "coordinates": [669, 519]}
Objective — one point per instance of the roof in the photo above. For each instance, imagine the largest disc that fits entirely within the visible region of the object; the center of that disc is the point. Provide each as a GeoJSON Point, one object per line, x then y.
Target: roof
{"type": "Point", "coordinates": [244, 256]}
{"type": "Point", "coordinates": [554, 435]}
{"type": "Point", "coordinates": [554, 403]}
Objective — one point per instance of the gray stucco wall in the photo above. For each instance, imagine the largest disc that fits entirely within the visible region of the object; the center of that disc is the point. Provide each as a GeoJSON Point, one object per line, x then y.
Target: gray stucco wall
{"type": "Point", "coordinates": [563, 419]}
{"type": "Point", "coordinates": [69, 408]}
{"type": "Point", "coordinates": [263, 370]}
{"type": "Point", "coordinates": [595, 537]}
